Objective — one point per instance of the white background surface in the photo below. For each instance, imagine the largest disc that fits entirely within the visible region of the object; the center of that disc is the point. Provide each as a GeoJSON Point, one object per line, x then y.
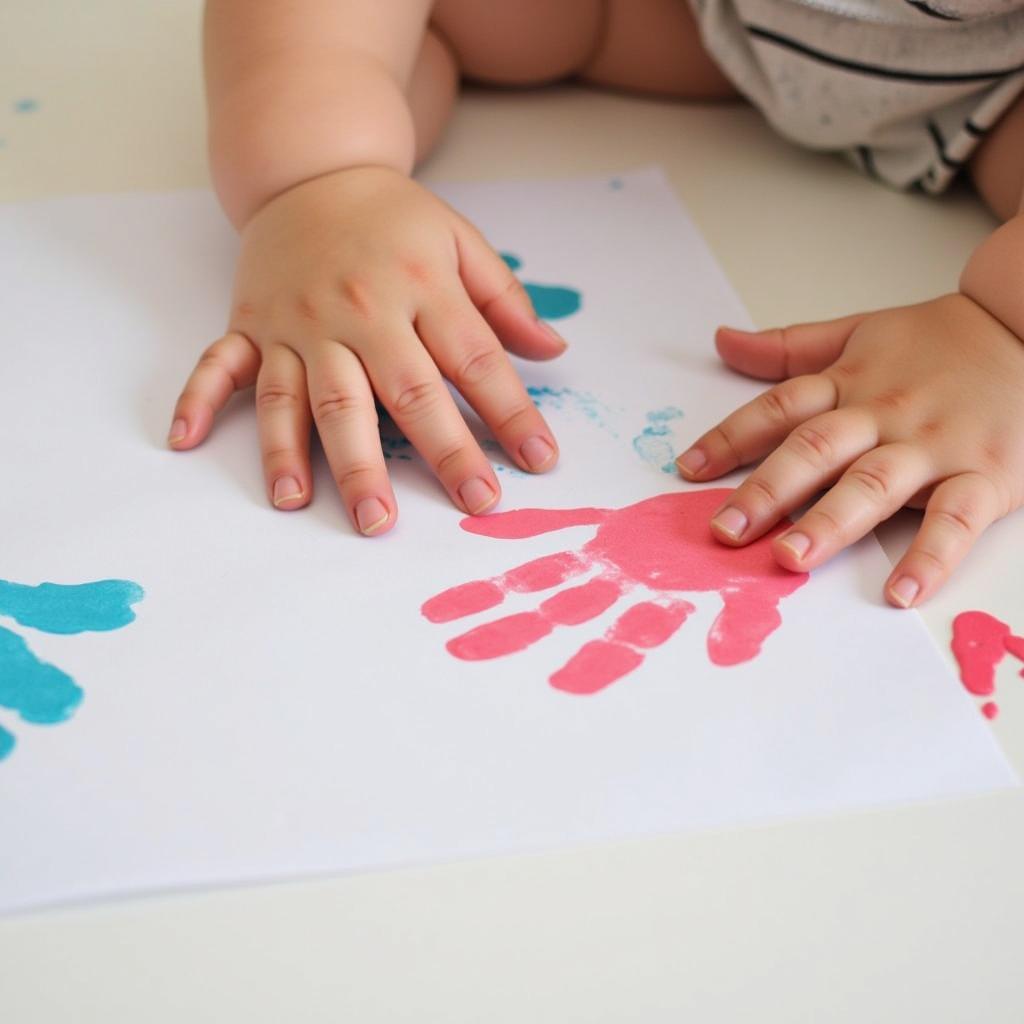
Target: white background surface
{"type": "Point", "coordinates": [910, 914]}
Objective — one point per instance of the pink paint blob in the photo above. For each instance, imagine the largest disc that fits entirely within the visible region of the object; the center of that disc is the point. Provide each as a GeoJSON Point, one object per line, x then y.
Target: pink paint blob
{"type": "Point", "coordinates": [980, 642]}
{"type": "Point", "coordinates": [664, 544]}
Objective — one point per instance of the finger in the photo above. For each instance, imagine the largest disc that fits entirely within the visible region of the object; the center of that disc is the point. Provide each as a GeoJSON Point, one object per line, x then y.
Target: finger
{"type": "Point", "coordinates": [871, 490]}
{"type": "Point", "coordinates": [282, 411]}
{"type": "Point", "coordinates": [782, 352]}
{"type": "Point", "coordinates": [412, 390]}
{"type": "Point", "coordinates": [346, 419]}
{"type": "Point", "coordinates": [813, 455]}
{"type": "Point", "coordinates": [502, 300]}
{"type": "Point", "coordinates": [468, 354]}
{"type": "Point", "coordinates": [756, 428]}
{"type": "Point", "coordinates": [228, 365]}
{"type": "Point", "coordinates": [960, 509]}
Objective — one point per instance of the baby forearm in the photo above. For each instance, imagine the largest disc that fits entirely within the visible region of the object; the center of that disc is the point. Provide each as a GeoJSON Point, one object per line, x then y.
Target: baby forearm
{"type": "Point", "coordinates": [298, 90]}
{"type": "Point", "coordinates": [994, 275]}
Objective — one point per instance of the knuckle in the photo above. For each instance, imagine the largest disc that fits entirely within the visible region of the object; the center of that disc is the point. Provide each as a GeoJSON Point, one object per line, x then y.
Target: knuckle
{"type": "Point", "coordinates": [276, 396]}
{"type": "Point", "coordinates": [812, 444]}
{"type": "Point", "coordinates": [479, 364]}
{"type": "Point", "coordinates": [449, 458]}
{"type": "Point", "coordinates": [875, 481]}
{"type": "Point", "coordinates": [776, 406]}
{"type": "Point", "coordinates": [521, 411]}
{"type": "Point", "coordinates": [929, 557]}
{"type": "Point", "coordinates": [763, 491]}
{"type": "Point", "coordinates": [357, 297]}
{"type": "Point", "coordinates": [278, 453]}
{"type": "Point", "coordinates": [335, 405]}
{"type": "Point", "coordinates": [722, 433]}
{"type": "Point", "coordinates": [958, 519]}
{"type": "Point", "coordinates": [416, 399]}
{"type": "Point", "coordinates": [823, 521]}
{"type": "Point", "coordinates": [355, 475]}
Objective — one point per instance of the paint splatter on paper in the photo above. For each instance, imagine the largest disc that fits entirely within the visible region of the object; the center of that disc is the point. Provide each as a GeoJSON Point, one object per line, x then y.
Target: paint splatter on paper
{"type": "Point", "coordinates": [38, 692]}
{"type": "Point", "coordinates": [663, 544]}
{"type": "Point", "coordinates": [571, 400]}
{"type": "Point", "coordinates": [654, 443]}
{"type": "Point", "coordinates": [550, 302]}
{"type": "Point", "coordinates": [980, 643]}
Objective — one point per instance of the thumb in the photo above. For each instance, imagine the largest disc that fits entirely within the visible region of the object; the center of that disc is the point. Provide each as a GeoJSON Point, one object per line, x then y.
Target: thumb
{"type": "Point", "coordinates": [501, 298]}
{"type": "Point", "coordinates": [782, 352]}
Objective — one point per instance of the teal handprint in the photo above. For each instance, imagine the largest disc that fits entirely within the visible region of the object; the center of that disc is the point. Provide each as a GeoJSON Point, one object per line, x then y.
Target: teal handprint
{"type": "Point", "coordinates": [37, 691]}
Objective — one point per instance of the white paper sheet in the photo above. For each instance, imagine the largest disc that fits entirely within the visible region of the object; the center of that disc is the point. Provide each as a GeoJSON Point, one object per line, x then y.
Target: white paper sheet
{"type": "Point", "coordinates": [281, 705]}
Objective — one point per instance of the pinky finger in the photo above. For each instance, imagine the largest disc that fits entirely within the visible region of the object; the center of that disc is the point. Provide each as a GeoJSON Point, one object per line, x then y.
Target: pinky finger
{"type": "Point", "coordinates": [228, 365]}
{"type": "Point", "coordinates": [958, 512]}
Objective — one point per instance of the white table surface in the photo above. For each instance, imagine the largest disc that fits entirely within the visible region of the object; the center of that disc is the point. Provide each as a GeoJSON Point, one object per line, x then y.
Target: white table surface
{"type": "Point", "coordinates": [910, 914]}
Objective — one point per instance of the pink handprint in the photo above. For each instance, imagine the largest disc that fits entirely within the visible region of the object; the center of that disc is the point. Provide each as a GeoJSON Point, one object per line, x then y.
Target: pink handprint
{"type": "Point", "coordinates": [663, 543]}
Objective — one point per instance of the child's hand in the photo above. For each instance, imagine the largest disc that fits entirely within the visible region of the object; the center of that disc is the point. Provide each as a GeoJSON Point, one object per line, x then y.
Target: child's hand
{"type": "Point", "coordinates": [919, 405]}
{"type": "Point", "coordinates": [362, 283]}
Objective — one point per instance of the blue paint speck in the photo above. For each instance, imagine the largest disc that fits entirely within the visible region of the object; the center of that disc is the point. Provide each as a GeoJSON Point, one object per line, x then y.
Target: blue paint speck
{"type": "Point", "coordinates": [550, 301]}
{"type": "Point", "coordinates": [492, 446]}
{"type": "Point", "coordinates": [616, 184]}
{"type": "Point", "coordinates": [654, 443]}
{"type": "Point", "coordinates": [26, 105]}
{"type": "Point", "coordinates": [40, 692]}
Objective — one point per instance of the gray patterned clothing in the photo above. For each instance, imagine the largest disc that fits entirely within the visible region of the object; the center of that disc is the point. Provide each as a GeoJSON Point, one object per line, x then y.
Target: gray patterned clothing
{"type": "Point", "coordinates": [905, 89]}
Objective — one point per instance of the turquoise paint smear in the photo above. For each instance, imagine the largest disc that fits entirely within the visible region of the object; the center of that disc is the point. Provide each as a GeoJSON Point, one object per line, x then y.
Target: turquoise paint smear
{"type": "Point", "coordinates": [654, 443]}
{"type": "Point", "coordinates": [583, 402]}
{"type": "Point", "coordinates": [550, 302]}
{"type": "Point", "coordinates": [40, 692]}
{"type": "Point", "coordinates": [37, 691]}
{"type": "Point", "coordinates": [27, 105]}
{"type": "Point", "coordinates": [81, 608]}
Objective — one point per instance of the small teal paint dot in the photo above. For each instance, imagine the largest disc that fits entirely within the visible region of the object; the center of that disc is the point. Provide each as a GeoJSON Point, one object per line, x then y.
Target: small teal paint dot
{"type": "Point", "coordinates": [6, 742]}
{"type": "Point", "coordinates": [26, 105]}
{"type": "Point", "coordinates": [512, 262]}
{"type": "Point", "coordinates": [616, 184]}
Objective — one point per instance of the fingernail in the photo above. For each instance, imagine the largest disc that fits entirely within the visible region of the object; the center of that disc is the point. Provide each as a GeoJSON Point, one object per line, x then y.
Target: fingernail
{"type": "Point", "coordinates": [477, 495]}
{"type": "Point", "coordinates": [179, 428]}
{"type": "Point", "coordinates": [371, 515]}
{"type": "Point", "coordinates": [736, 330]}
{"type": "Point", "coordinates": [904, 590]}
{"type": "Point", "coordinates": [552, 333]}
{"type": "Point", "coordinates": [692, 462]}
{"type": "Point", "coordinates": [536, 452]}
{"type": "Point", "coordinates": [798, 543]}
{"type": "Point", "coordinates": [730, 521]}
{"type": "Point", "coordinates": [286, 488]}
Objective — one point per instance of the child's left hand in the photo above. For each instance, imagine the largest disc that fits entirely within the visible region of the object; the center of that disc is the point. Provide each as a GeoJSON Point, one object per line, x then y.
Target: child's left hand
{"type": "Point", "coordinates": [919, 405]}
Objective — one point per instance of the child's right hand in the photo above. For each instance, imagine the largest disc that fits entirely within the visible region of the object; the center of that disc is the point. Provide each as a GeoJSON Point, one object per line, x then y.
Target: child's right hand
{"type": "Point", "coordinates": [363, 283]}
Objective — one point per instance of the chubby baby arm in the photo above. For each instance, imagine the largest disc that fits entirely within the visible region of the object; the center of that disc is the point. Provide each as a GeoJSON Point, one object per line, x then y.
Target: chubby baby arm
{"type": "Point", "coordinates": [353, 281]}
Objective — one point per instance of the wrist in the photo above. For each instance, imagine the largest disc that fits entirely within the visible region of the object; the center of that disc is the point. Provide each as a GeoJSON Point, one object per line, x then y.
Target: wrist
{"type": "Point", "coordinates": [274, 131]}
{"type": "Point", "coordinates": [994, 275]}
